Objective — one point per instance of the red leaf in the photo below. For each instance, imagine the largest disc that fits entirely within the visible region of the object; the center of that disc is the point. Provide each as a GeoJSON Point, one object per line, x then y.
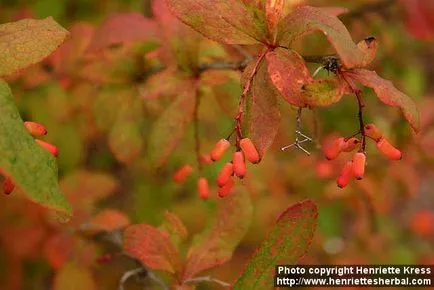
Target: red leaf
{"type": "Point", "coordinates": [419, 17]}
{"type": "Point", "coordinates": [389, 95]}
{"type": "Point", "coordinates": [305, 20]}
{"type": "Point", "coordinates": [287, 243]}
{"type": "Point", "coordinates": [262, 114]}
{"type": "Point", "coordinates": [120, 28]}
{"type": "Point", "coordinates": [152, 247]}
{"type": "Point", "coordinates": [292, 79]}
{"type": "Point", "coordinates": [226, 21]}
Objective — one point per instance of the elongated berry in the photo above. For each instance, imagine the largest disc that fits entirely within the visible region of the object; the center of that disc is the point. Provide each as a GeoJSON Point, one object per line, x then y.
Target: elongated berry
{"type": "Point", "coordinates": [205, 159]}
{"type": "Point", "coordinates": [49, 147]}
{"type": "Point", "coordinates": [333, 150]}
{"type": "Point", "coordinates": [346, 175]}
{"type": "Point", "coordinates": [350, 144]}
{"type": "Point", "coordinates": [203, 188]}
{"type": "Point", "coordinates": [8, 186]}
{"type": "Point", "coordinates": [225, 174]}
{"type": "Point", "coordinates": [372, 132]}
{"type": "Point", "coordinates": [388, 150]}
{"type": "Point", "coordinates": [182, 173]}
{"type": "Point", "coordinates": [35, 129]}
{"type": "Point", "coordinates": [226, 189]}
{"type": "Point", "coordinates": [239, 164]}
{"type": "Point", "coordinates": [359, 161]}
{"type": "Point", "coordinates": [249, 150]}
{"type": "Point", "coordinates": [219, 149]}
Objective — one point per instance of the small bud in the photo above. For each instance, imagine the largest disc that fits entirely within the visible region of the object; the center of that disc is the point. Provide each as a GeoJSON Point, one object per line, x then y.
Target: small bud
{"type": "Point", "coordinates": [35, 129]}
{"type": "Point", "coordinates": [388, 150]}
{"type": "Point", "coordinates": [250, 151]}
{"type": "Point", "coordinates": [225, 174]}
{"type": "Point", "coordinates": [205, 159]}
{"type": "Point", "coordinates": [226, 189]}
{"type": "Point", "coordinates": [8, 186]}
{"type": "Point", "coordinates": [182, 173]}
{"type": "Point", "coordinates": [49, 147]}
{"type": "Point", "coordinates": [104, 258]}
{"type": "Point", "coordinates": [333, 150]}
{"type": "Point", "coordinates": [239, 164]}
{"type": "Point", "coordinates": [350, 144]}
{"type": "Point", "coordinates": [219, 149]}
{"type": "Point", "coordinates": [346, 174]}
{"type": "Point", "coordinates": [372, 132]}
{"type": "Point", "coordinates": [203, 188]}
{"type": "Point", "coordinates": [359, 161]}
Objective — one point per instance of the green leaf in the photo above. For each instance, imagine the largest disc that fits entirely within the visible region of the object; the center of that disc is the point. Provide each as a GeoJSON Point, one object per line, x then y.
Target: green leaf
{"type": "Point", "coordinates": [226, 21]}
{"type": "Point", "coordinates": [389, 95]}
{"type": "Point", "coordinates": [305, 20]}
{"type": "Point", "coordinates": [223, 233]}
{"type": "Point", "coordinates": [288, 241]}
{"type": "Point", "coordinates": [28, 41]}
{"type": "Point", "coordinates": [32, 168]}
{"type": "Point", "coordinates": [262, 109]}
{"type": "Point", "coordinates": [292, 79]}
{"type": "Point", "coordinates": [126, 140]}
{"type": "Point", "coordinates": [171, 126]}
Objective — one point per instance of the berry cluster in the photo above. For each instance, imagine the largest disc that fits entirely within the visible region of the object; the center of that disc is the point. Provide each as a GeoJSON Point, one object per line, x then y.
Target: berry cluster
{"type": "Point", "coordinates": [37, 130]}
{"type": "Point", "coordinates": [225, 179]}
{"type": "Point", "coordinates": [356, 167]}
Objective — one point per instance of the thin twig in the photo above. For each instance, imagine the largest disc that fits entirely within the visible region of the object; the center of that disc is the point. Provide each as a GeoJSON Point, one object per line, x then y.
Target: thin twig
{"type": "Point", "coordinates": [224, 65]}
{"type": "Point", "coordinates": [196, 130]}
{"type": "Point", "coordinates": [208, 279]}
{"type": "Point", "coordinates": [127, 275]}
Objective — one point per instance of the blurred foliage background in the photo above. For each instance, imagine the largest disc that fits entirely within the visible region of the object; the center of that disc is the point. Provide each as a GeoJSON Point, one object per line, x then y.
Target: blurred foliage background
{"type": "Point", "coordinates": [98, 114]}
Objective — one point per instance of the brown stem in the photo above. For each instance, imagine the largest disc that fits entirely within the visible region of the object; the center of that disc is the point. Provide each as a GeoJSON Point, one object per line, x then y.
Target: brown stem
{"type": "Point", "coordinates": [196, 130]}
{"type": "Point", "coordinates": [240, 65]}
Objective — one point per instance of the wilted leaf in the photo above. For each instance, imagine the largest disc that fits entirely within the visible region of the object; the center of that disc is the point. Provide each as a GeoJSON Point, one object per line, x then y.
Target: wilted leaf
{"type": "Point", "coordinates": [216, 244]}
{"type": "Point", "coordinates": [262, 114]}
{"type": "Point", "coordinates": [32, 168]}
{"type": "Point", "coordinates": [292, 79]}
{"type": "Point", "coordinates": [106, 221]}
{"type": "Point", "coordinates": [120, 28]}
{"type": "Point", "coordinates": [73, 277]}
{"type": "Point", "coordinates": [171, 126]}
{"type": "Point", "coordinates": [305, 20]}
{"type": "Point", "coordinates": [152, 247]}
{"type": "Point", "coordinates": [288, 241]}
{"type": "Point", "coordinates": [389, 95]}
{"type": "Point", "coordinates": [126, 140]}
{"type": "Point", "coordinates": [226, 21]}
{"type": "Point", "coordinates": [27, 42]}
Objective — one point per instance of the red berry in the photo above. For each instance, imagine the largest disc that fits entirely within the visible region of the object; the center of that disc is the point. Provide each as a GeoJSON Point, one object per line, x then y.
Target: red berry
{"type": "Point", "coordinates": [225, 174]}
{"type": "Point", "coordinates": [350, 144]}
{"type": "Point", "coordinates": [35, 129]}
{"type": "Point", "coordinates": [346, 175]}
{"type": "Point", "coordinates": [359, 161]}
{"type": "Point", "coordinates": [49, 147]}
{"type": "Point", "coordinates": [333, 150]}
{"type": "Point", "coordinates": [182, 173]}
{"type": "Point", "coordinates": [219, 149]}
{"type": "Point", "coordinates": [104, 258]}
{"type": "Point", "coordinates": [226, 189]}
{"type": "Point", "coordinates": [388, 150]}
{"type": "Point", "coordinates": [372, 132]}
{"type": "Point", "coordinates": [250, 151]}
{"type": "Point", "coordinates": [203, 188]}
{"type": "Point", "coordinates": [205, 159]}
{"type": "Point", "coordinates": [8, 186]}
{"type": "Point", "coordinates": [239, 164]}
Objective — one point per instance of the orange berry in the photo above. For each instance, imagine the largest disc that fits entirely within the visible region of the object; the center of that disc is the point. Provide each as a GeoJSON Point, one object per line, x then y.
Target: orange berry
{"type": "Point", "coordinates": [372, 132]}
{"type": "Point", "coordinates": [359, 161]}
{"type": "Point", "coordinates": [239, 164]}
{"type": "Point", "coordinates": [250, 151]}
{"type": "Point", "coordinates": [203, 188]}
{"type": "Point", "coordinates": [205, 159]}
{"type": "Point", "coordinates": [8, 186]}
{"type": "Point", "coordinates": [182, 173]}
{"type": "Point", "coordinates": [49, 147]}
{"type": "Point", "coordinates": [35, 129]}
{"type": "Point", "coordinates": [350, 144]}
{"type": "Point", "coordinates": [346, 174]}
{"type": "Point", "coordinates": [226, 189]}
{"type": "Point", "coordinates": [333, 150]}
{"type": "Point", "coordinates": [225, 174]}
{"type": "Point", "coordinates": [219, 149]}
{"type": "Point", "coordinates": [388, 150]}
